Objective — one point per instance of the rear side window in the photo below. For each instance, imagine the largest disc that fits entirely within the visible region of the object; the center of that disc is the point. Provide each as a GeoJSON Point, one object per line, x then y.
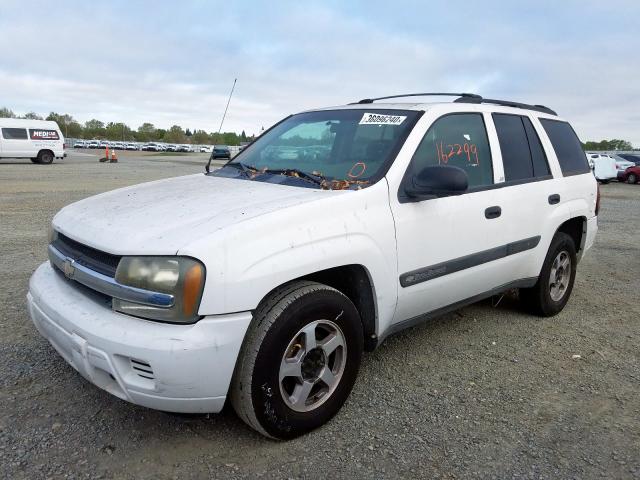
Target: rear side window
{"type": "Point", "coordinates": [460, 140]}
{"type": "Point", "coordinates": [565, 142]}
{"type": "Point", "coordinates": [14, 133]}
{"type": "Point", "coordinates": [522, 154]}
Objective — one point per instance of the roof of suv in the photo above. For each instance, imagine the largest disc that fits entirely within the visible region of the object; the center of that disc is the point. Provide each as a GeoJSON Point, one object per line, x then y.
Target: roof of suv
{"type": "Point", "coordinates": [464, 102]}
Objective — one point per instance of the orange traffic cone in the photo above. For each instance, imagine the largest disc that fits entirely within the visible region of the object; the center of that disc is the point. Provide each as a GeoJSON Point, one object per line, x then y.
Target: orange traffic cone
{"type": "Point", "coordinates": [114, 158]}
{"type": "Point", "coordinates": [106, 155]}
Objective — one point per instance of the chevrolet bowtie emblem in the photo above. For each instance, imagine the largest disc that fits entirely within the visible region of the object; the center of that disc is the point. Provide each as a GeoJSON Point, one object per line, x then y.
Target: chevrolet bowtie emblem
{"type": "Point", "coordinates": [69, 269]}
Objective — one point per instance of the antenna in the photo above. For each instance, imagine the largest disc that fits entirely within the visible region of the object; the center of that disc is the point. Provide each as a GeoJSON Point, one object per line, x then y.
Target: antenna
{"type": "Point", "coordinates": [208, 166]}
{"type": "Point", "coordinates": [227, 107]}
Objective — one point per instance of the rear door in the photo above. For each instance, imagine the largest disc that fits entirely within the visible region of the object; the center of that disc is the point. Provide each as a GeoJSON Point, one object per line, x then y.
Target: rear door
{"type": "Point", "coordinates": [527, 197]}
{"type": "Point", "coordinates": [15, 142]}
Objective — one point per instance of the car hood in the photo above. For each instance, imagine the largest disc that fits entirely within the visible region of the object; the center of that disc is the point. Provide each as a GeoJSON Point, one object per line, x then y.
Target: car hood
{"type": "Point", "coordinates": [159, 218]}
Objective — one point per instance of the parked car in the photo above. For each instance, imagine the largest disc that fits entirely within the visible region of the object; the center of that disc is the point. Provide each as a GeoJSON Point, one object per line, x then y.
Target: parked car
{"type": "Point", "coordinates": [263, 281]}
{"type": "Point", "coordinates": [185, 148]}
{"type": "Point", "coordinates": [621, 163]}
{"type": "Point", "coordinates": [172, 148]}
{"type": "Point", "coordinates": [131, 146]}
{"type": "Point", "coordinates": [93, 144]}
{"type": "Point", "coordinates": [206, 149]}
{"type": "Point", "coordinates": [152, 147]}
{"type": "Point", "coordinates": [41, 141]}
{"type": "Point", "coordinates": [80, 144]}
{"type": "Point", "coordinates": [630, 175]}
{"type": "Point", "coordinates": [604, 167]}
{"type": "Point", "coordinates": [219, 151]}
{"type": "Point", "coordinates": [631, 158]}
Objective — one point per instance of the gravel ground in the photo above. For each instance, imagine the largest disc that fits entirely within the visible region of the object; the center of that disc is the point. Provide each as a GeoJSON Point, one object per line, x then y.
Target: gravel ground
{"type": "Point", "coordinates": [485, 392]}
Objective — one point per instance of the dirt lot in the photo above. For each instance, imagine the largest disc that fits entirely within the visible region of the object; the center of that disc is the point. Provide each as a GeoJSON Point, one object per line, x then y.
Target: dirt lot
{"type": "Point", "coordinates": [485, 392]}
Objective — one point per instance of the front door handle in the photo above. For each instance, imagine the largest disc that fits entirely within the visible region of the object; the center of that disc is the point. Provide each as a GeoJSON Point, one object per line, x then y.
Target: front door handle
{"type": "Point", "coordinates": [493, 212]}
{"type": "Point", "coordinates": [554, 199]}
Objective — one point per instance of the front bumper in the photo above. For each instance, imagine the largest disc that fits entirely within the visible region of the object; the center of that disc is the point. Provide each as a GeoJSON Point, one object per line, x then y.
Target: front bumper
{"type": "Point", "coordinates": [176, 368]}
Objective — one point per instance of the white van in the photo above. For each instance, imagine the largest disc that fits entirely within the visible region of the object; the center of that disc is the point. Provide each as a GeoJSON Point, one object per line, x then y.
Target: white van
{"type": "Point", "coordinates": [39, 140]}
{"type": "Point", "coordinates": [604, 167]}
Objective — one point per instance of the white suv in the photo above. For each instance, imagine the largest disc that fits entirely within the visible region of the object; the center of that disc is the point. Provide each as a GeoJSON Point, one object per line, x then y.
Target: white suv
{"type": "Point", "coordinates": [265, 280]}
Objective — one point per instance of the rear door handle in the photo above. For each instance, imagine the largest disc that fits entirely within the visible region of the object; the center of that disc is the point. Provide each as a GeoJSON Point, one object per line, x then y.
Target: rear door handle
{"type": "Point", "coordinates": [493, 212]}
{"type": "Point", "coordinates": [554, 199]}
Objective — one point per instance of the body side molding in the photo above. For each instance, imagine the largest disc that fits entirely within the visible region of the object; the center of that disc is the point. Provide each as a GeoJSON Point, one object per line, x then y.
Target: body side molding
{"type": "Point", "coordinates": [457, 264]}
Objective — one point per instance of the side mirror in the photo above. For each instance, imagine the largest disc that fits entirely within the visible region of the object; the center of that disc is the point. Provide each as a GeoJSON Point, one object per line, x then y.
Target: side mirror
{"type": "Point", "coordinates": [437, 181]}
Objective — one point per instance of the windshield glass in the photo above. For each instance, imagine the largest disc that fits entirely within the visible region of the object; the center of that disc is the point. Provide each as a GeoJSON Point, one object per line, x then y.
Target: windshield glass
{"type": "Point", "coordinates": [332, 149]}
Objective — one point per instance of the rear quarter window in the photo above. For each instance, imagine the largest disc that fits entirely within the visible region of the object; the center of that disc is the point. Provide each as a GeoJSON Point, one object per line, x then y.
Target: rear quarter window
{"type": "Point", "coordinates": [14, 133]}
{"type": "Point", "coordinates": [568, 149]}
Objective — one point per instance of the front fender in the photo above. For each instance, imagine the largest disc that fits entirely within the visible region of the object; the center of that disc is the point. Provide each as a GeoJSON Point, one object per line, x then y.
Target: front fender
{"type": "Point", "coordinates": [249, 259]}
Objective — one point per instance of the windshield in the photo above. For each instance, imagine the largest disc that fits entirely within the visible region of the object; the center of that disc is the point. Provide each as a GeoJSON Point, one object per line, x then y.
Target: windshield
{"type": "Point", "coordinates": [332, 149]}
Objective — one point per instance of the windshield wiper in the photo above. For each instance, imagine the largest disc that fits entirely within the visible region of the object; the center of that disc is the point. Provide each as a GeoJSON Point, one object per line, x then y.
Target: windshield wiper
{"type": "Point", "coordinates": [315, 178]}
{"type": "Point", "coordinates": [248, 170]}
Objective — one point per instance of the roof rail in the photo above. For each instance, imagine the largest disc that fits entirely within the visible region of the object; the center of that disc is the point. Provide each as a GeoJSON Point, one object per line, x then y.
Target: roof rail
{"type": "Point", "coordinates": [507, 103]}
{"type": "Point", "coordinates": [465, 98]}
{"type": "Point", "coordinates": [461, 95]}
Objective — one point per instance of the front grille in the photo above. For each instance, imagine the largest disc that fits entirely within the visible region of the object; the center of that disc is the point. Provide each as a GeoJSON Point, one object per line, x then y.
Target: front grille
{"type": "Point", "coordinates": [101, 262]}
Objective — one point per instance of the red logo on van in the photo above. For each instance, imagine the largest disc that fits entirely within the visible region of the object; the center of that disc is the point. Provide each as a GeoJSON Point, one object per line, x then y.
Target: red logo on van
{"type": "Point", "coordinates": [43, 134]}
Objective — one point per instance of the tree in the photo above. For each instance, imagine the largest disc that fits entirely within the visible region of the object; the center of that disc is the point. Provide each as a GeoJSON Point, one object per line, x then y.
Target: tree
{"type": "Point", "coordinates": [243, 136]}
{"type": "Point", "coordinates": [6, 113]}
{"type": "Point", "coordinates": [188, 133]}
{"type": "Point", "coordinates": [146, 132]}
{"type": "Point", "coordinates": [32, 116]}
{"type": "Point", "coordinates": [118, 131]}
{"type": "Point", "coordinates": [175, 135]}
{"type": "Point", "coordinates": [614, 144]}
{"type": "Point", "coordinates": [200, 137]}
{"type": "Point", "coordinates": [94, 128]}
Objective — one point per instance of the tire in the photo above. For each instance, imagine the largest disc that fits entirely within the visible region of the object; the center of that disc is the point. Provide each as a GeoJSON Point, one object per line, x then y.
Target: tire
{"type": "Point", "coordinates": [45, 156]}
{"type": "Point", "coordinates": [604, 182]}
{"type": "Point", "coordinates": [547, 298]}
{"type": "Point", "coordinates": [631, 178]}
{"type": "Point", "coordinates": [262, 394]}
{"type": "Point", "coordinates": [34, 160]}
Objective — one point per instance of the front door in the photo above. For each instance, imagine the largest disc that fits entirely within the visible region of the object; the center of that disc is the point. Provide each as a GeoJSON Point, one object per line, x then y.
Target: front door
{"type": "Point", "coordinates": [449, 248]}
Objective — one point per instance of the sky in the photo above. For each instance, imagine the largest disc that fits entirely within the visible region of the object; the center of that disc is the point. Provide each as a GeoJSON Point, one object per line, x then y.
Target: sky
{"type": "Point", "coordinates": [173, 63]}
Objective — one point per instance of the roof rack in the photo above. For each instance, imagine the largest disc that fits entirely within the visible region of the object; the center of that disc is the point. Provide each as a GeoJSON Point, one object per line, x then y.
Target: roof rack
{"type": "Point", "coordinates": [461, 95]}
{"type": "Point", "coordinates": [465, 98]}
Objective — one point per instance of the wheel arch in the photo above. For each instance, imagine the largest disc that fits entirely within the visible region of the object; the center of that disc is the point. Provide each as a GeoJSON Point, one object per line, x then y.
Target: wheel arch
{"type": "Point", "coordinates": [354, 281]}
{"type": "Point", "coordinates": [576, 228]}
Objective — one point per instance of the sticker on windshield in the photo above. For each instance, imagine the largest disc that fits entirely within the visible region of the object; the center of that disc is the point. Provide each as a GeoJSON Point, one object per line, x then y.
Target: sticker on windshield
{"type": "Point", "coordinates": [378, 119]}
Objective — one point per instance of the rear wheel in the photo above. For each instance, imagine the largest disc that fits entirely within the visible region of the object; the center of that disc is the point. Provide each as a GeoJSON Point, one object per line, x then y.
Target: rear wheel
{"type": "Point", "coordinates": [45, 156]}
{"type": "Point", "coordinates": [299, 361]}
{"type": "Point", "coordinates": [552, 290]}
{"type": "Point", "coordinates": [34, 160]}
{"type": "Point", "coordinates": [631, 178]}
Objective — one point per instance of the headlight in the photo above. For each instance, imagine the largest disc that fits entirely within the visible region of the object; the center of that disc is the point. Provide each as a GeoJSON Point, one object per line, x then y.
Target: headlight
{"type": "Point", "coordinates": [181, 277]}
{"type": "Point", "coordinates": [53, 234]}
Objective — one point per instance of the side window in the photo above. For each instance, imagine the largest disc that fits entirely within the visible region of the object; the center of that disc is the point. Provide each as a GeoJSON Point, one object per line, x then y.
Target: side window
{"type": "Point", "coordinates": [522, 153]}
{"type": "Point", "coordinates": [567, 147]}
{"type": "Point", "coordinates": [14, 133]}
{"type": "Point", "coordinates": [458, 139]}
{"type": "Point", "coordinates": [538, 157]}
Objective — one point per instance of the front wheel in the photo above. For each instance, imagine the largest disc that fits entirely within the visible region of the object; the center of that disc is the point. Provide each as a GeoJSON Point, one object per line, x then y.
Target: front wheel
{"type": "Point", "coordinates": [631, 178]}
{"type": "Point", "coordinates": [299, 361]}
{"type": "Point", "coordinates": [552, 290]}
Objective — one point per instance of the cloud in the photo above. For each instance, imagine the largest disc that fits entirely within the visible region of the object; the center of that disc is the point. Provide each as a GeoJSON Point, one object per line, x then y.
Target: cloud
{"type": "Point", "coordinates": [175, 63]}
